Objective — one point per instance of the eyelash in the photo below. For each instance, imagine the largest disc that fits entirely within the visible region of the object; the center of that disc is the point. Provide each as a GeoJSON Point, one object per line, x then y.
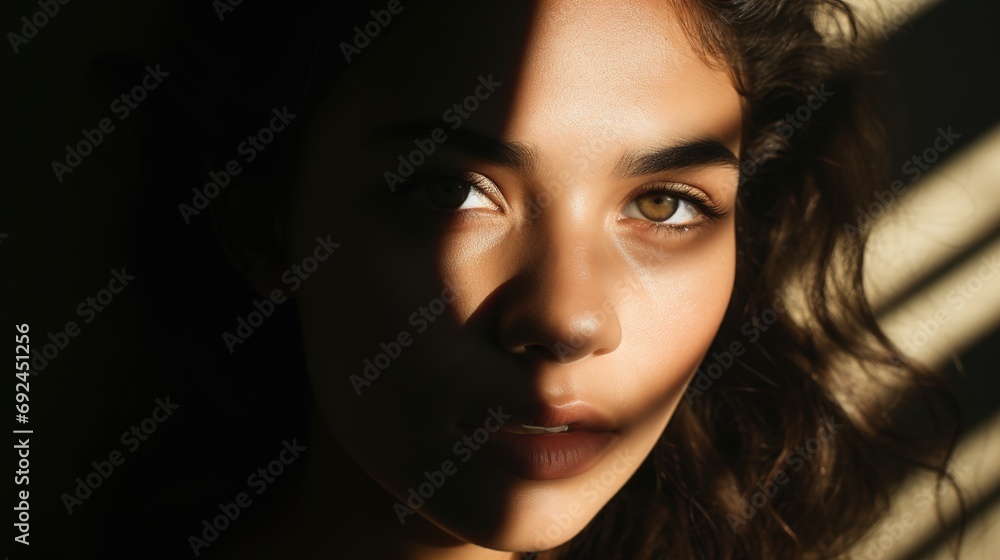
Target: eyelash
{"type": "Point", "coordinates": [481, 182]}
{"type": "Point", "coordinates": [709, 209]}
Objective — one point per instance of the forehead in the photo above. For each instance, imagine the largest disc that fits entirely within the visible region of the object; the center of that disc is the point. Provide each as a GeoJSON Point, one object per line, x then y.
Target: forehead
{"type": "Point", "coordinates": [567, 68]}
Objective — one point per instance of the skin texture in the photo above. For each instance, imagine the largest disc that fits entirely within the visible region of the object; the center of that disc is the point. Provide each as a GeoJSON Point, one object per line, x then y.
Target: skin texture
{"type": "Point", "coordinates": [559, 293]}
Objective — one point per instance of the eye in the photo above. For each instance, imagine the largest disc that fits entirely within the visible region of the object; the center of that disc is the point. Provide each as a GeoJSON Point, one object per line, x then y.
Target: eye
{"type": "Point", "coordinates": [453, 192]}
{"type": "Point", "coordinates": [674, 206]}
{"type": "Point", "coordinates": [663, 207]}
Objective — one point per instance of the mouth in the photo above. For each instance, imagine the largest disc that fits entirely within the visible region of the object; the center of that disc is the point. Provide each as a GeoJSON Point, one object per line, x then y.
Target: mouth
{"type": "Point", "coordinates": [531, 430]}
{"type": "Point", "coordinates": [549, 443]}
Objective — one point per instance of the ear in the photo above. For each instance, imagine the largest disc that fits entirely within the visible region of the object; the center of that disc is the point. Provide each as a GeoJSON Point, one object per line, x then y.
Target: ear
{"type": "Point", "coordinates": [249, 225]}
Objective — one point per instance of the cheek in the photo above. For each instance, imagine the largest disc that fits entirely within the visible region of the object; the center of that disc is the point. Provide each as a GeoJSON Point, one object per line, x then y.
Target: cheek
{"type": "Point", "coordinates": [670, 311]}
{"type": "Point", "coordinates": [669, 324]}
{"type": "Point", "coordinates": [355, 310]}
{"type": "Point", "coordinates": [374, 305]}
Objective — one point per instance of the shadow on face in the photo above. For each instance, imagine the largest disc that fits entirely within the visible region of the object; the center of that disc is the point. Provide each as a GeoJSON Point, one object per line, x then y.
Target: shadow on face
{"type": "Point", "coordinates": [533, 211]}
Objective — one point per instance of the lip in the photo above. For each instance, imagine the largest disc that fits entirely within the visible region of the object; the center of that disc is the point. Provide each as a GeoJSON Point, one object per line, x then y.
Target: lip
{"type": "Point", "coordinates": [551, 456]}
{"type": "Point", "coordinates": [578, 415]}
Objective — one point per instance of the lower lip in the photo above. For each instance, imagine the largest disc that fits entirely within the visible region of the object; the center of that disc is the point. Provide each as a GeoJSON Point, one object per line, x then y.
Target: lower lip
{"type": "Point", "coordinates": [547, 456]}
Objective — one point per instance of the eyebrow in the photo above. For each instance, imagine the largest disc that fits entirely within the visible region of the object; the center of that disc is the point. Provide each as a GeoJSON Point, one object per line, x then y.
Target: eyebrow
{"type": "Point", "coordinates": [523, 157]}
{"type": "Point", "coordinates": [515, 155]}
{"type": "Point", "coordinates": [688, 153]}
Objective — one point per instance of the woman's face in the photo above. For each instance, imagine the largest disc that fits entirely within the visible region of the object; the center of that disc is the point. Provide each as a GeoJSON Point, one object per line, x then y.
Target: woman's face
{"type": "Point", "coordinates": [556, 251]}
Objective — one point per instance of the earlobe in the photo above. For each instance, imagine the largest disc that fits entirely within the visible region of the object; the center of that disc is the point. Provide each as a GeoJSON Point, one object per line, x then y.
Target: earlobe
{"type": "Point", "coordinates": [249, 226]}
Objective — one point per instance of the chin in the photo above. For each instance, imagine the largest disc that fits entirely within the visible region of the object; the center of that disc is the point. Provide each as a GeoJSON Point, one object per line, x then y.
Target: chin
{"type": "Point", "coordinates": [499, 511]}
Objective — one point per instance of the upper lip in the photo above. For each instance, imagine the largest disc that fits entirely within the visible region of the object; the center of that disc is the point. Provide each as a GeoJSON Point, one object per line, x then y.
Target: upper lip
{"type": "Point", "coordinates": [578, 415]}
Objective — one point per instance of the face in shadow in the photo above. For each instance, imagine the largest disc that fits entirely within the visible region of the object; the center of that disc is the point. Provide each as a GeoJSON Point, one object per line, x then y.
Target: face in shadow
{"type": "Point", "coordinates": [534, 208]}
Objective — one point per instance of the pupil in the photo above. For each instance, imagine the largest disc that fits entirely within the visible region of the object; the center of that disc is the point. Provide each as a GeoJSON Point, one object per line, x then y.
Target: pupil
{"type": "Point", "coordinates": [448, 195]}
{"type": "Point", "coordinates": [658, 207]}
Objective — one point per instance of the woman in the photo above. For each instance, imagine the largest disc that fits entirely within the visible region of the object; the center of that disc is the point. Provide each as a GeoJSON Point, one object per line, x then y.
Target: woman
{"type": "Point", "coordinates": [574, 277]}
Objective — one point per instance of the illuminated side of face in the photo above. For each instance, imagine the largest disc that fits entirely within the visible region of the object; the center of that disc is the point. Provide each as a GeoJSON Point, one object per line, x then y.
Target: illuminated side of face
{"type": "Point", "coordinates": [562, 259]}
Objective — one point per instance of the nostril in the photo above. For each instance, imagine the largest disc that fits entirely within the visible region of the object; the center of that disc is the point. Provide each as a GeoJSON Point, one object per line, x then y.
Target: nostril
{"type": "Point", "coordinates": [562, 352]}
{"type": "Point", "coordinates": [602, 351]}
{"type": "Point", "coordinates": [540, 351]}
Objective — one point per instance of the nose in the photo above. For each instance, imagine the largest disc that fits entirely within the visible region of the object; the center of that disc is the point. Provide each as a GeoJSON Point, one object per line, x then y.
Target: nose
{"type": "Point", "coordinates": [558, 307]}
